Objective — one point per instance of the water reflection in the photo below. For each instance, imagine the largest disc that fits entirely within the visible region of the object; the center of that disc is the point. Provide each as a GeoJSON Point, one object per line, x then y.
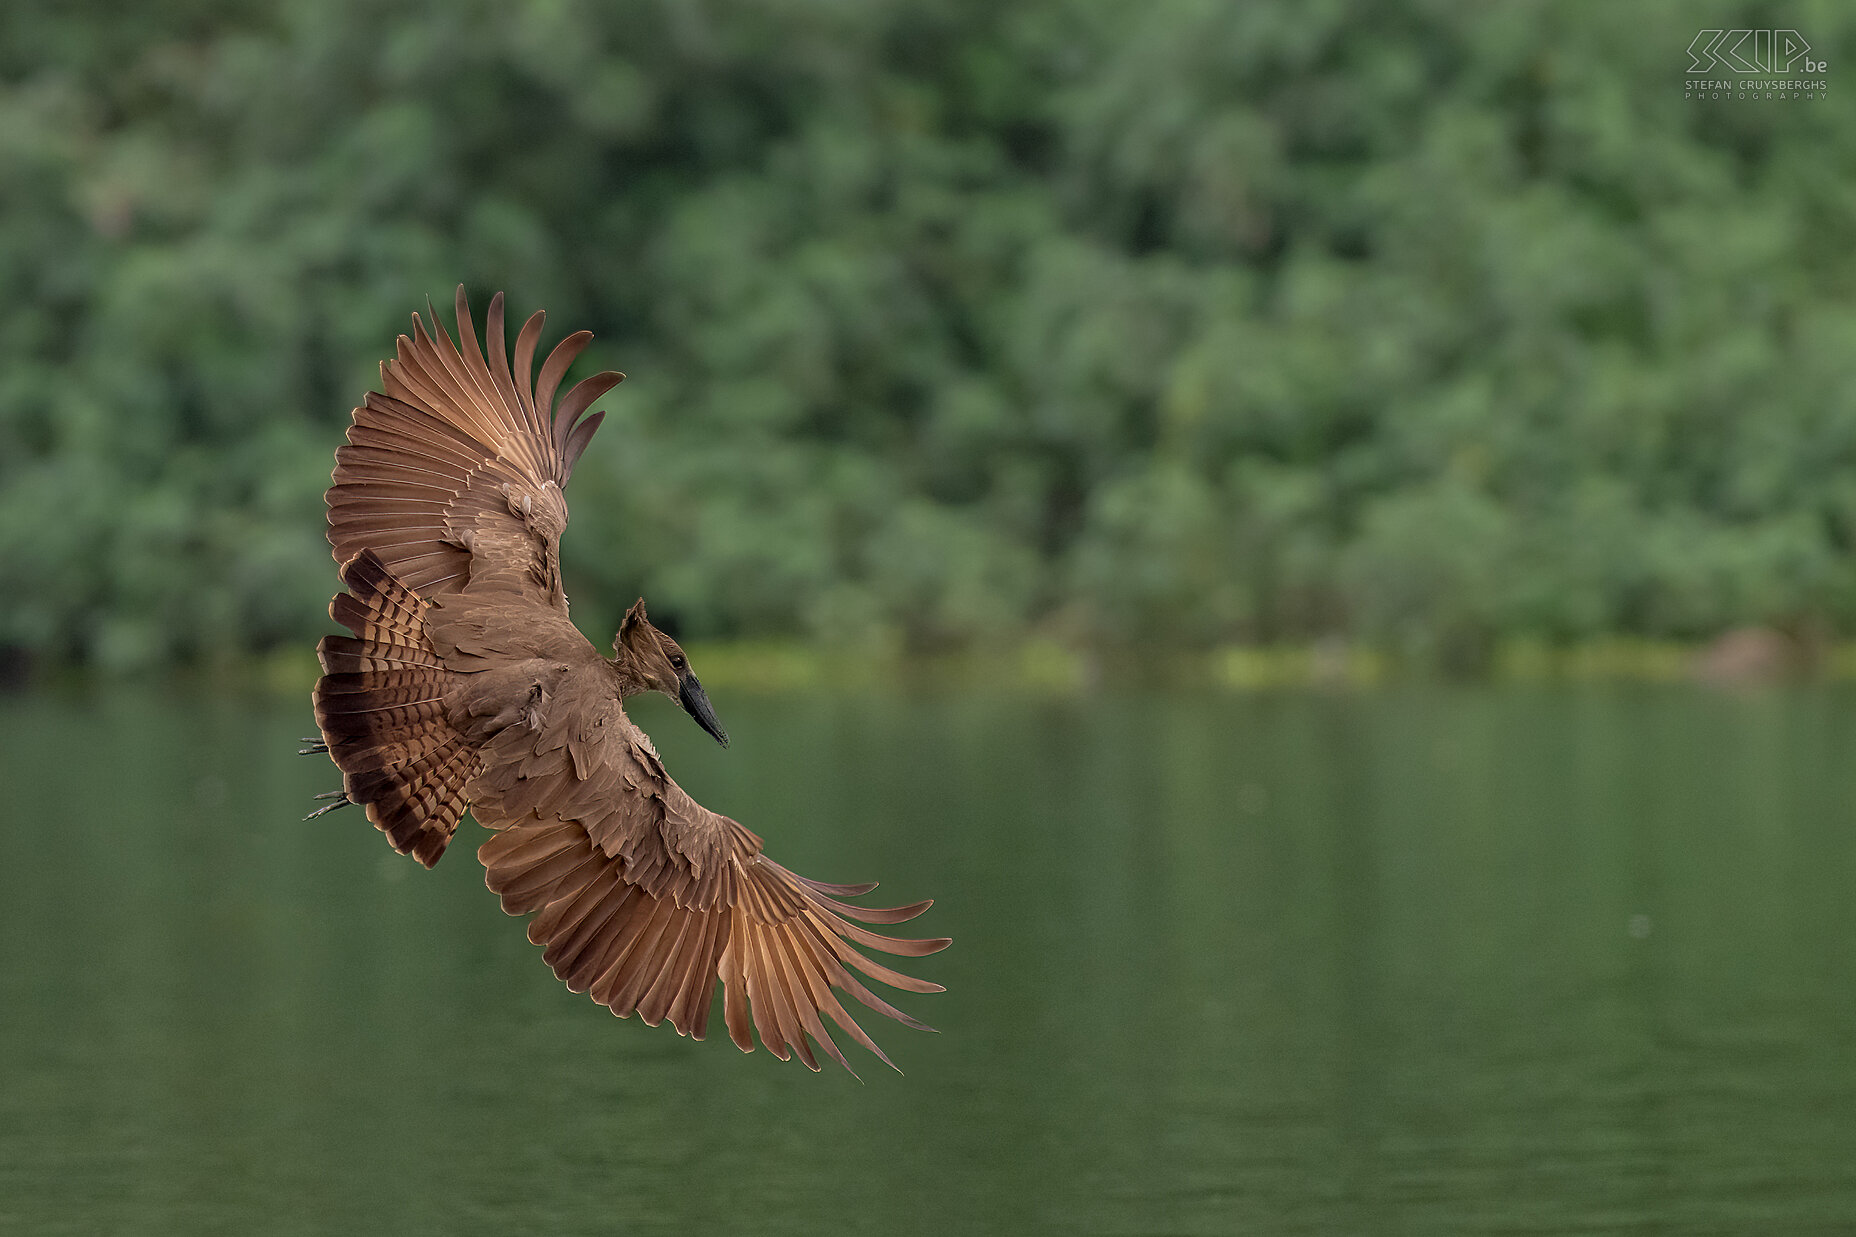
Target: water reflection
{"type": "Point", "coordinates": [1422, 961]}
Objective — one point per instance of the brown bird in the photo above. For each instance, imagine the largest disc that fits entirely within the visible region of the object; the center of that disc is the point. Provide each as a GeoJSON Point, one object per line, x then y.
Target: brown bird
{"type": "Point", "coordinates": [465, 687]}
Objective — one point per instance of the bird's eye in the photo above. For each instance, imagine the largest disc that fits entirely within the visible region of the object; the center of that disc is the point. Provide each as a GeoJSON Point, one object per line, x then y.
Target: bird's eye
{"type": "Point", "coordinates": [676, 661]}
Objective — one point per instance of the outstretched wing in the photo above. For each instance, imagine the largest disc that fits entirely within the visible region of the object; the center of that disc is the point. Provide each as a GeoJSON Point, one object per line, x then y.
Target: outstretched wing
{"type": "Point", "coordinates": [453, 472]}
{"type": "Point", "coordinates": [645, 897]}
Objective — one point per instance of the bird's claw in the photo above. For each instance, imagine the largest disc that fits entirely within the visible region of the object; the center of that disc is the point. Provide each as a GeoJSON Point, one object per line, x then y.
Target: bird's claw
{"type": "Point", "coordinates": [341, 800]}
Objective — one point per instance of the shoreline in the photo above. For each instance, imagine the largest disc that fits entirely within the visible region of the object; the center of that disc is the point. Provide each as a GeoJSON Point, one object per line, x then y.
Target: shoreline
{"type": "Point", "coordinates": [1050, 667]}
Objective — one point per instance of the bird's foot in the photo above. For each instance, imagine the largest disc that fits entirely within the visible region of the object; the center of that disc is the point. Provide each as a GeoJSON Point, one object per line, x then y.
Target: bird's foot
{"type": "Point", "coordinates": [341, 800]}
{"type": "Point", "coordinates": [317, 745]}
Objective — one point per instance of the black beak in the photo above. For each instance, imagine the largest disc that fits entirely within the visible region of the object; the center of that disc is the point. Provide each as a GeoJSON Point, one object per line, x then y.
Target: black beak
{"type": "Point", "coordinates": [695, 702]}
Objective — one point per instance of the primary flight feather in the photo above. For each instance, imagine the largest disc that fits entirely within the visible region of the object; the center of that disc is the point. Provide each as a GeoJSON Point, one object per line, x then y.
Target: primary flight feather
{"type": "Point", "coordinates": [464, 686]}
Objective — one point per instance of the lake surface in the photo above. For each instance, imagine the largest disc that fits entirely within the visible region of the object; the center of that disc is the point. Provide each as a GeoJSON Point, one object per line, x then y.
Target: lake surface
{"type": "Point", "coordinates": [1416, 961]}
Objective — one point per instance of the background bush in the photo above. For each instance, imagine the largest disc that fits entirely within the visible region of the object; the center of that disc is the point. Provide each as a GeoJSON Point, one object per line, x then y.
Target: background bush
{"type": "Point", "coordinates": [1160, 324]}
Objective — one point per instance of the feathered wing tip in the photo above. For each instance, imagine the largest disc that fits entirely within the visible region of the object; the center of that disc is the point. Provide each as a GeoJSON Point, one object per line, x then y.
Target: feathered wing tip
{"type": "Point", "coordinates": [780, 979]}
{"type": "Point", "coordinates": [433, 452]}
{"type": "Point", "coordinates": [520, 405]}
{"type": "Point", "coordinates": [782, 946]}
{"type": "Point", "coordinates": [380, 704]}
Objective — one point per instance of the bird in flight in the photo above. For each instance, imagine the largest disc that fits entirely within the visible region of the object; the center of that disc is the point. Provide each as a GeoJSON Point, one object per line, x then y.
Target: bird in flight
{"type": "Point", "coordinates": [464, 686]}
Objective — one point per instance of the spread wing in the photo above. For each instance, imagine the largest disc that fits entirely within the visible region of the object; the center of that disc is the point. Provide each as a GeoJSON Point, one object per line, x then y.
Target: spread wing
{"type": "Point", "coordinates": [645, 897]}
{"type": "Point", "coordinates": [453, 472]}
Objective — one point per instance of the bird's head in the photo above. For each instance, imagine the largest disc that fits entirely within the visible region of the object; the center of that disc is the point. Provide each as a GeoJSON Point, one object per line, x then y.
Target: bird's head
{"type": "Point", "coordinates": [650, 661]}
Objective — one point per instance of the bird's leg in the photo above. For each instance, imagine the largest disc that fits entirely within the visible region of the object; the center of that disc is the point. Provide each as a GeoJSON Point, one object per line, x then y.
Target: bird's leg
{"type": "Point", "coordinates": [341, 800]}
{"type": "Point", "coordinates": [531, 709]}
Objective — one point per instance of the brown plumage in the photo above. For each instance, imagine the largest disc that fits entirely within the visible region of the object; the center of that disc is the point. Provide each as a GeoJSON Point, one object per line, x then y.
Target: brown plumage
{"type": "Point", "coordinates": [465, 687]}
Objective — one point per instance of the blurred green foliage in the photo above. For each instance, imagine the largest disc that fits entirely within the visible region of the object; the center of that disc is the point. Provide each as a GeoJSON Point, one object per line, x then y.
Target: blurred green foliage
{"type": "Point", "coordinates": [1117, 324]}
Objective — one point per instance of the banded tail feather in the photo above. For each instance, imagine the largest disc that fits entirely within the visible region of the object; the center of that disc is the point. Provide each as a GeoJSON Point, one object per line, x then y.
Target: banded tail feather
{"type": "Point", "coordinates": [381, 706]}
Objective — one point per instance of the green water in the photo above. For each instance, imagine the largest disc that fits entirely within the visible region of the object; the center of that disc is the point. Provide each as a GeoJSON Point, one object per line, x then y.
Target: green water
{"type": "Point", "coordinates": [1419, 961]}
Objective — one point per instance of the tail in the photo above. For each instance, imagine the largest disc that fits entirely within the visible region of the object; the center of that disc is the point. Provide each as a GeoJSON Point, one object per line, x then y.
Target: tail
{"type": "Point", "coordinates": [380, 704]}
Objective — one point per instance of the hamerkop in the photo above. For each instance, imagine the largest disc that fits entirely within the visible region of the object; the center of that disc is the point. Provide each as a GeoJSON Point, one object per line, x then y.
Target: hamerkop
{"type": "Point", "coordinates": [465, 687]}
